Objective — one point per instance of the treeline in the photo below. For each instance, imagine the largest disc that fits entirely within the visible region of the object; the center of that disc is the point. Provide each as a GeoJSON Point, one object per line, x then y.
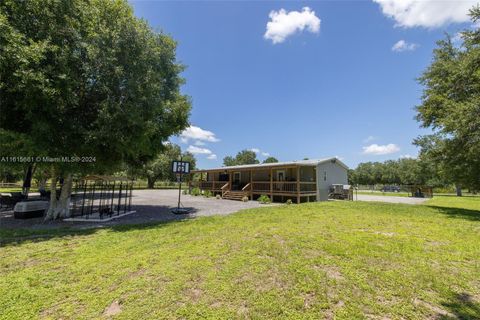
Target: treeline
{"type": "Point", "coordinates": [396, 172]}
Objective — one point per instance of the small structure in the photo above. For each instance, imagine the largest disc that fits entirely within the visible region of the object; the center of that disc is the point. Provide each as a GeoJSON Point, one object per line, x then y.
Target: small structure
{"type": "Point", "coordinates": [421, 191]}
{"type": "Point", "coordinates": [101, 197]}
{"type": "Point", "coordinates": [341, 192]}
{"type": "Point", "coordinates": [301, 181]}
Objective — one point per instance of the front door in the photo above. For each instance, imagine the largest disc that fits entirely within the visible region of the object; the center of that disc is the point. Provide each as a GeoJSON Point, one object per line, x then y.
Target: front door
{"type": "Point", "coordinates": [236, 180]}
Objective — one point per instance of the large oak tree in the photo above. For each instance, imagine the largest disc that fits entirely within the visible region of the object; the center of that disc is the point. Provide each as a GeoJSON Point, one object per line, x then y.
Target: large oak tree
{"type": "Point", "coordinates": [451, 107]}
{"type": "Point", "coordinates": [85, 79]}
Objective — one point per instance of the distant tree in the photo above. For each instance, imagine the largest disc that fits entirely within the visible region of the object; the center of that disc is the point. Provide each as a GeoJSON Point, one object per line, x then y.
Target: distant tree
{"type": "Point", "coordinates": [451, 107]}
{"type": "Point", "coordinates": [160, 168]}
{"type": "Point", "coordinates": [270, 160]}
{"type": "Point", "coordinates": [243, 157]}
{"type": "Point", "coordinates": [402, 171]}
{"type": "Point", "coordinates": [229, 161]}
{"type": "Point", "coordinates": [85, 79]}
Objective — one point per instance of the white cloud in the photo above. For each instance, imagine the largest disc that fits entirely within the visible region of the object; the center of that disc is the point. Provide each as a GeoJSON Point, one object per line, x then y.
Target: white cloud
{"type": "Point", "coordinates": [402, 45]}
{"type": "Point", "coordinates": [199, 143]}
{"type": "Point", "coordinates": [283, 24]}
{"type": "Point", "coordinates": [407, 156]}
{"type": "Point", "coordinates": [258, 151]}
{"type": "Point", "coordinates": [381, 149]}
{"type": "Point", "coordinates": [197, 150]}
{"type": "Point", "coordinates": [212, 157]}
{"type": "Point", "coordinates": [368, 139]}
{"type": "Point", "coordinates": [426, 13]}
{"type": "Point", "coordinates": [197, 133]}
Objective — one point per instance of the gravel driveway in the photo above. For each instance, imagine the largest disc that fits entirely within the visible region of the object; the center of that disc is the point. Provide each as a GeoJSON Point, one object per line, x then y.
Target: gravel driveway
{"type": "Point", "coordinates": [390, 199]}
{"type": "Point", "coordinates": [150, 206]}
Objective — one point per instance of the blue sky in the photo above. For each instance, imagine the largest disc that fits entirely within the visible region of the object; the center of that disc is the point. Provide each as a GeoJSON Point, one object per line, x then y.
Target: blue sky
{"type": "Point", "coordinates": [337, 87]}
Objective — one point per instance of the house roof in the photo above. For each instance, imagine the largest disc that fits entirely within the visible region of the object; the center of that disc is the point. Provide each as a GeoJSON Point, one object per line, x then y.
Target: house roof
{"type": "Point", "coordinates": [276, 164]}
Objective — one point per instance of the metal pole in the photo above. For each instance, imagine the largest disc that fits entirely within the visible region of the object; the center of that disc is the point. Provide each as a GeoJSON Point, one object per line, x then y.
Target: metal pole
{"type": "Point", "coordinates": [180, 187]}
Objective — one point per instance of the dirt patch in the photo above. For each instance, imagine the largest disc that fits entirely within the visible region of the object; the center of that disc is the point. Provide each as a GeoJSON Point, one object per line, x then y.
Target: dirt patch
{"type": "Point", "coordinates": [332, 272]}
{"type": "Point", "coordinates": [243, 310]}
{"type": "Point", "coordinates": [308, 300]}
{"type": "Point", "coordinates": [193, 294]}
{"type": "Point", "coordinates": [112, 309]}
{"type": "Point", "coordinates": [434, 309]}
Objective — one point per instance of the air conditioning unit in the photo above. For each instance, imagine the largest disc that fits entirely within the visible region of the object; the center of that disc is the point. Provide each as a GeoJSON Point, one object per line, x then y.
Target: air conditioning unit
{"type": "Point", "coordinates": [30, 209]}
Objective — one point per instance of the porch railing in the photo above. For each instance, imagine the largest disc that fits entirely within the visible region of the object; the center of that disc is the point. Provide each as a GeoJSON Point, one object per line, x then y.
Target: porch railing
{"type": "Point", "coordinates": [225, 188]}
{"type": "Point", "coordinates": [261, 186]}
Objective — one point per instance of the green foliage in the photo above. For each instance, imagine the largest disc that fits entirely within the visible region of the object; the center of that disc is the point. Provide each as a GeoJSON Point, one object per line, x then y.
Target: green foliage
{"type": "Point", "coordinates": [289, 202]}
{"type": "Point", "coordinates": [196, 192]}
{"type": "Point", "coordinates": [451, 107]}
{"type": "Point", "coordinates": [264, 199]}
{"type": "Point", "coordinates": [270, 160]}
{"type": "Point", "coordinates": [243, 157]}
{"type": "Point", "coordinates": [185, 191]}
{"type": "Point", "coordinates": [207, 194]}
{"type": "Point", "coordinates": [160, 168]}
{"type": "Point", "coordinates": [86, 78]}
{"type": "Point", "coordinates": [402, 171]}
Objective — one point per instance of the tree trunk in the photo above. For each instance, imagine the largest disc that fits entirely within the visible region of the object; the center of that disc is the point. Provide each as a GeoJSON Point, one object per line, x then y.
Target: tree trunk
{"type": "Point", "coordinates": [60, 208]}
{"type": "Point", "coordinates": [459, 190]}
{"type": "Point", "coordinates": [150, 183]}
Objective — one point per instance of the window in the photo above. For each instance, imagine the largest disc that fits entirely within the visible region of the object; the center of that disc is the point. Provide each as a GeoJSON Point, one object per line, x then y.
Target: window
{"type": "Point", "coordinates": [281, 175]}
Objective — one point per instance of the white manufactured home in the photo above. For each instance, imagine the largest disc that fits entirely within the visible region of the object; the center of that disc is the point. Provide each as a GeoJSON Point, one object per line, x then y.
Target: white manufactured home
{"type": "Point", "coordinates": [301, 181]}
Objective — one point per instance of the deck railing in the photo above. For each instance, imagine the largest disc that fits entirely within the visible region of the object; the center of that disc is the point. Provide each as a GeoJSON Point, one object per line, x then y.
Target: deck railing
{"type": "Point", "coordinates": [225, 188]}
{"type": "Point", "coordinates": [292, 187]}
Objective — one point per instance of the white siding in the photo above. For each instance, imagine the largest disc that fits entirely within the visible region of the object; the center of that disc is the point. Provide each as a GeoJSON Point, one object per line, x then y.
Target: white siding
{"type": "Point", "coordinates": [327, 174]}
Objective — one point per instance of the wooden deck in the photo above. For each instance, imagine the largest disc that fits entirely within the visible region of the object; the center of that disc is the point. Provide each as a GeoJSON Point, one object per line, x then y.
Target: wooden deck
{"type": "Point", "coordinates": [296, 189]}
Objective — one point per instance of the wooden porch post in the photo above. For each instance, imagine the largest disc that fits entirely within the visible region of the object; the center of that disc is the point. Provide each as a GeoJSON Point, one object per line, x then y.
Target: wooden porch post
{"type": "Point", "coordinates": [271, 184]}
{"type": "Point", "coordinates": [251, 185]}
{"type": "Point", "coordinates": [213, 183]}
{"type": "Point", "coordinates": [298, 184]}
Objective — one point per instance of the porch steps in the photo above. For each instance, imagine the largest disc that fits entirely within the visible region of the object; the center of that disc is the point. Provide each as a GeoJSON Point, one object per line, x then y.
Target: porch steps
{"type": "Point", "coordinates": [234, 195]}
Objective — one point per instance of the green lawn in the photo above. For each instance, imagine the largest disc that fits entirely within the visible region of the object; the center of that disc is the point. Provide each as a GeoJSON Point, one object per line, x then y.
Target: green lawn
{"type": "Point", "coordinates": [380, 193]}
{"type": "Point", "coordinates": [342, 260]}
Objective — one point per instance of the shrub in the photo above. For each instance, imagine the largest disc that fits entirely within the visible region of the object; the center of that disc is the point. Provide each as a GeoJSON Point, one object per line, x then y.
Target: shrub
{"type": "Point", "coordinates": [264, 199]}
{"type": "Point", "coordinates": [289, 201]}
{"type": "Point", "coordinates": [185, 191]}
{"type": "Point", "coordinates": [196, 192]}
{"type": "Point", "coordinates": [207, 193]}
{"type": "Point", "coordinates": [245, 199]}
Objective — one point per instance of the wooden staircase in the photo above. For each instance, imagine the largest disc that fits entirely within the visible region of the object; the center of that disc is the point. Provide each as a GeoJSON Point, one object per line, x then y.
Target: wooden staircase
{"type": "Point", "coordinates": [234, 195]}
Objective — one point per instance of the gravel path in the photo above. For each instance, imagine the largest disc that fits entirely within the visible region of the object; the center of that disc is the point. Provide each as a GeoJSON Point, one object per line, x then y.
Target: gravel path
{"type": "Point", "coordinates": [150, 206]}
{"type": "Point", "coordinates": [390, 199]}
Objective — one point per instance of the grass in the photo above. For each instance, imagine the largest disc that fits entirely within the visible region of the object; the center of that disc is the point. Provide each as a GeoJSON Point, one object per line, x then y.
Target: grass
{"type": "Point", "coordinates": [380, 193]}
{"type": "Point", "coordinates": [343, 260]}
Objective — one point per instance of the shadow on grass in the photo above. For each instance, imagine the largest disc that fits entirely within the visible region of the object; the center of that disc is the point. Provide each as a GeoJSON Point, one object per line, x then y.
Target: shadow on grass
{"type": "Point", "coordinates": [468, 214]}
{"type": "Point", "coordinates": [462, 306]}
{"type": "Point", "coordinates": [15, 231]}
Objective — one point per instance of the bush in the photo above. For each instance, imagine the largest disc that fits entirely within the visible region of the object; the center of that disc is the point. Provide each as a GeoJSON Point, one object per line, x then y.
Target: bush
{"type": "Point", "coordinates": [196, 192]}
{"type": "Point", "coordinates": [264, 199]}
{"type": "Point", "coordinates": [245, 199]}
{"type": "Point", "coordinates": [185, 191]}
{"type": "Point", "coordinates": [289, 201]}
{"type": "Point", "coordinates": [207, 193]}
